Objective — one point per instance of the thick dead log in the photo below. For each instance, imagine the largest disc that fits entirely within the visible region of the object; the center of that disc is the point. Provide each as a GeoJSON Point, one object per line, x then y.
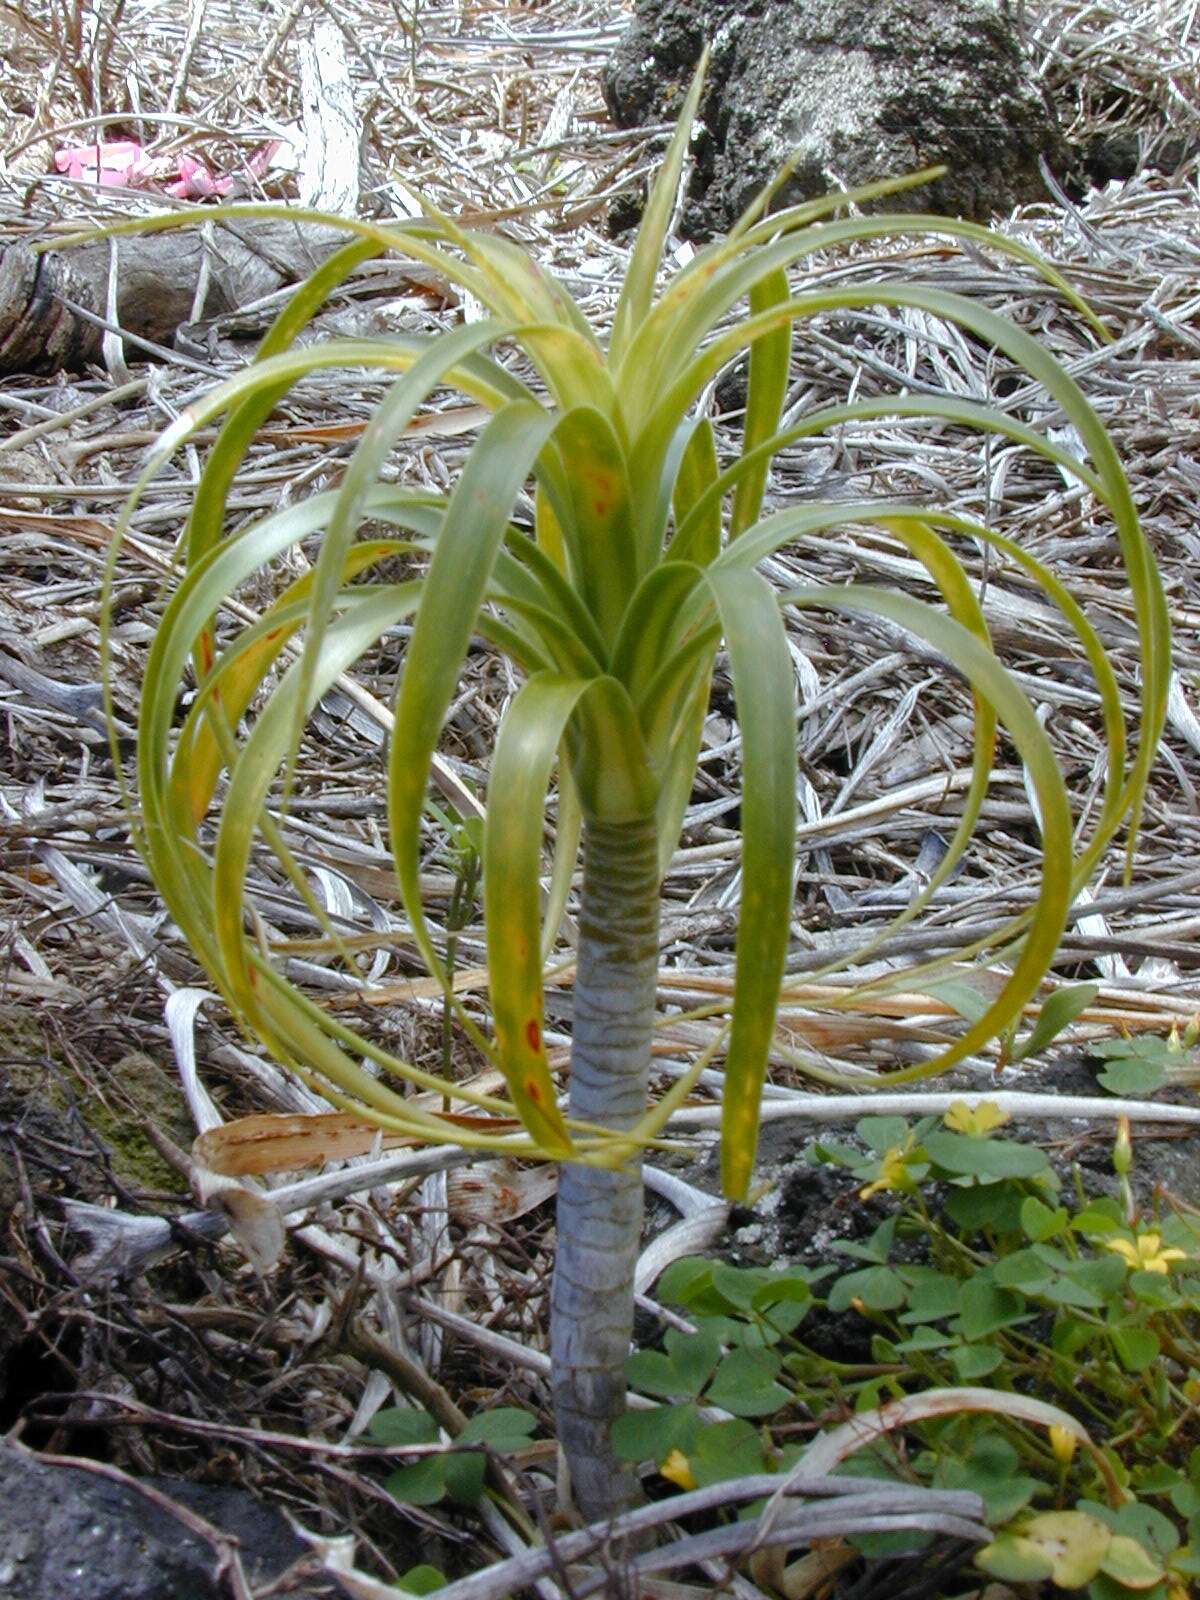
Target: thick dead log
{"type": "Point", "coordinates": [157, 276]}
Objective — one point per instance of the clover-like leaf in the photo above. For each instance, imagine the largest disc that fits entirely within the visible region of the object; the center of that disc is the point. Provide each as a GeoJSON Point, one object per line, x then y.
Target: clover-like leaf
{"type": "Point", "coordinates": [1136, 1348]}
{"type": "Point", "coordinates": [877, 1248]}
{"type": "Point", "coordinates": [423, 1579]}
{"type": "Point", "coordinates": [932, 1295]}
{"type": "Point", "coordinates": [403, 1425]}
{"type": "Point", "coordinates": [651, 1435]}
{"type": "Point", "coordinates": [879, 1289]}
{"type": "Point", "coordinates": [1025, 1270]}
{"type": "Point", "coordinates": [994, 1205]}
{"type": "Point", "coordinates": [881, 1134]}
{"type": "Point", "coordinates": [423, 1483]}
{"type": "Point", "coordinates": [974, 1361]}
{"type": "Point", "coordinates": [925, 1338]}
{"type": "Point", "coordinates": [1064, 1546]}
{"type": "Point", "coordinates": [1039, 1221]}
{"type": "Point", "coordinates": [986, 1309]}
{"type": "Point", "coordinates": [1131, 1077]}
{"type": "Point", "coordinates": [958, 1153]}
{"type": "Point", "coordinates": [685, 1280]}
{"type": "Point", "coordinates": [1129, 1563]}
{"type": "Point", "coordinates": [464, 1472]}
{"type": "Point", "coordinates": [745, 1383]}
{"type": "Point", "coordinates": [679, 1372]}
{"type": "Point", "coordinates": [724, 1450]}
{"type": "Point", "coordinates": [502, 1428]}
{"type": "Point", "coordinates": [1071, 1544]}
{"type": "Point", "coordinates": [992, 1469]}
{"type": "Point", "coordinates": [738, 1285]}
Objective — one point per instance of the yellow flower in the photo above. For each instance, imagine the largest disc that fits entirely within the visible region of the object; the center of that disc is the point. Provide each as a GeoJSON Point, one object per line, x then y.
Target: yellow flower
{"type": "Point", "coordinates": [678, 1470]}
{"type": "Point", "coordinates": [893, 1171]}
{"type": "Point", "coordinates": [1063, 1442]}
{"type": "Point", "coordinates": [978, 1121]}
{"type": "Point", "coordinates": [1146, 1254]}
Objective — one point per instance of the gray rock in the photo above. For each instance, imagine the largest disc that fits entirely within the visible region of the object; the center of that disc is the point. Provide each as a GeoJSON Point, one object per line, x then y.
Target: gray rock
{"type": "Point", "coordinates": [853, 89]}
{"type": "Point", "coordinates": [69, 1534]}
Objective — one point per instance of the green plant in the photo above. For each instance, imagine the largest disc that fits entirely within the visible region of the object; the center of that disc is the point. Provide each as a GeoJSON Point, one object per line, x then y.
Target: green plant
{"type": "Point", "coordinates": [421, 1580]}
{"type": "Point", "coordinates": [458, 1473]}
{"type": "Point", "coordinates": [989, 1273]}
{"type": "Point", "coordinates": [1057, 1012]}
{"type": "Point", "coordinates": [636, 564]}
{"type": "Point", "coordinates": [1139, 1066]}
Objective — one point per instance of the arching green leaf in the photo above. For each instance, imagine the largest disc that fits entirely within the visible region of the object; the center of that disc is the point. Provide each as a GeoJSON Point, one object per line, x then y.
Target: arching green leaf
{"type": "Point", "coordinates": [461, 568]}
{"type": "Point", "coordinates": [637, 288]}
{"type": "Point", "coordinates": [766, 711]}
{"type": "Point", "coordinates": [526, 750]}
{"type": "Point", "coordinates": [766, 391]}
{"type": "Point", "coordinates": [989, 678]}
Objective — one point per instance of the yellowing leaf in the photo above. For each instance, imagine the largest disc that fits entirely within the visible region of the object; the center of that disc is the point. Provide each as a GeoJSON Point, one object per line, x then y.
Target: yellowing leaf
{"type": "Point", "coordinates": [1014, 1559]}
{"type": "Point", "coordinates": [1074, 1543]}
{"type": "Point", "coordinates": [1129, 1564]}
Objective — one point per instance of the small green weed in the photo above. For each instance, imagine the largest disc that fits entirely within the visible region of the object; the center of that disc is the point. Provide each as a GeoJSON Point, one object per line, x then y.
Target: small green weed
{"type": "Point", "coordinates": [988, 1275]}
{"type": "Point", "coordinates": [1057, 1012]}
{"type": "Point", "coordinates": [1142, 1065]}
{"type": "Point", "coordinates": [456, 1473]}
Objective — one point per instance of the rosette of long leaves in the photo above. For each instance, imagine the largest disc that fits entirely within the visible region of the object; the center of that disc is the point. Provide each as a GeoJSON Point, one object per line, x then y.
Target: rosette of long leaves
{"type": "Point", "coordinates": [612, 591]}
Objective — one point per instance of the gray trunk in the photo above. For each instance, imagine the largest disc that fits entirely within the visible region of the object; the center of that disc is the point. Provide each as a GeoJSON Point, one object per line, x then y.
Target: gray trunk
{"type": "Point", "coordinates": [600, 1212]}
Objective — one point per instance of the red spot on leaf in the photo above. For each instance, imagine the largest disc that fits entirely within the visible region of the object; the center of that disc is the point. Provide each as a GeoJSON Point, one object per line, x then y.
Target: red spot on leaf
{"type": "Point", "coordinates": [601, 490]}
{"type": "Point", "coordinates": [533, 1034]}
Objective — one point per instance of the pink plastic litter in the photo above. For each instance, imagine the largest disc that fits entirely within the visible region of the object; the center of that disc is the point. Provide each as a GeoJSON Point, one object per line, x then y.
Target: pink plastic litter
{"type": "Point", "coordinates": [124, 164]}
{"type": "Point", "coordinates": [196, 182]}
{"type": "Point", "coordinates": [116, 164]}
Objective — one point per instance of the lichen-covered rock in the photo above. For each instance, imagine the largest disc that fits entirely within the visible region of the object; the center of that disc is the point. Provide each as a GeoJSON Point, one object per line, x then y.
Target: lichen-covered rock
{"type": "Point", "coordinates": [70, 1533]}
{"type": "Point", "coordinates": [851, 90]}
